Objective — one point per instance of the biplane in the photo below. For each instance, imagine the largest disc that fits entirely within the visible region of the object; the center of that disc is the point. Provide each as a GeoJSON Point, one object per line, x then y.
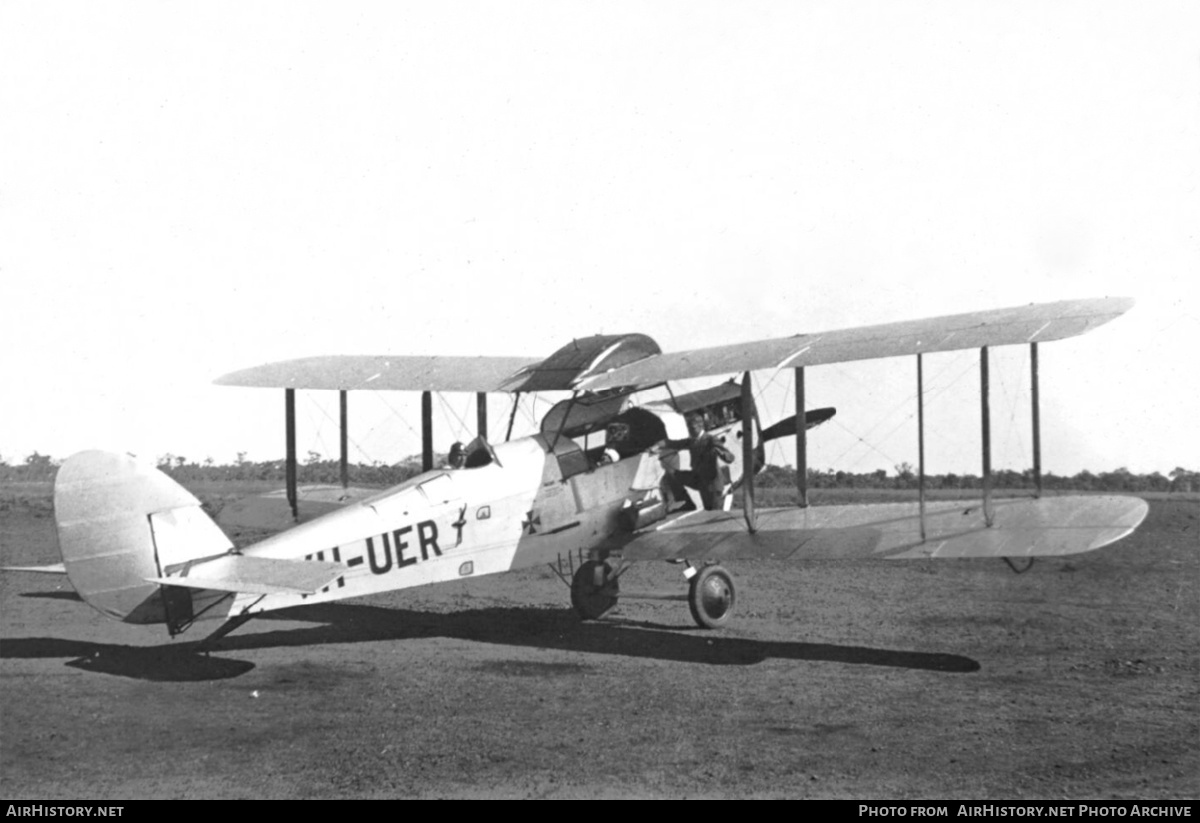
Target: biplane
{"type": "Point", "coordinates": [610, 479]}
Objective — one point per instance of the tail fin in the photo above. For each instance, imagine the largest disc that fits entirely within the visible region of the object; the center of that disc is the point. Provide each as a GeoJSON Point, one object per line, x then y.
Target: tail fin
{"type": "Point", "coordinates": [121, 524]}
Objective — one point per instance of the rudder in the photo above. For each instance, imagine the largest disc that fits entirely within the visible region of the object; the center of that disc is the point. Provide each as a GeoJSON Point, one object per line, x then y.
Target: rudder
{"type": "Point", "coordinates": [120, 523]}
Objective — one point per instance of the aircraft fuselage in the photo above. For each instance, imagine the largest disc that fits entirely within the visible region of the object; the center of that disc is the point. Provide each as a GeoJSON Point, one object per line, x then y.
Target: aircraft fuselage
{"type": "Point", "coordinates": [516, 512]}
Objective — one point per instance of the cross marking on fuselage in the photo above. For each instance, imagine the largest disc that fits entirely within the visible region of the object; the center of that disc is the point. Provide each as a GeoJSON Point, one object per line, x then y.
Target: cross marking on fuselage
{"type": "Point", "coordinates": [530, 521]}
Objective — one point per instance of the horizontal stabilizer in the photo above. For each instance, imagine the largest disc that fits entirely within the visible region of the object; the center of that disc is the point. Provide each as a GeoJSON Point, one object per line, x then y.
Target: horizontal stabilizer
{"type": "Point", "coordinates": [255, 575]}
{"type": "Point", "coordinates": [53, 568]}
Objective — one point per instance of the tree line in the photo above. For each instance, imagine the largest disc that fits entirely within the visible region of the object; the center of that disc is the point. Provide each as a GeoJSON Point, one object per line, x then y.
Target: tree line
{"type": "Point", "coordinates": [904, 477]}
{"type": "Point", "coordinates": [315, 469]}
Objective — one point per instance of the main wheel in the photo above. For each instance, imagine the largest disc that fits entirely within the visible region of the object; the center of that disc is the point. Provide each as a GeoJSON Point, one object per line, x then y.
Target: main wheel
{"type": "Point", "coordinates": [711, 597]}
{"type": "Point", "coordinates": [594, 590]}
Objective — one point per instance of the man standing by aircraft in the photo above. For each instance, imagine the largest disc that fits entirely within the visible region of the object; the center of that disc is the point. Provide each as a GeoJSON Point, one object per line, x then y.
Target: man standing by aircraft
{"type": "Point", "coordinates": [706, 474]}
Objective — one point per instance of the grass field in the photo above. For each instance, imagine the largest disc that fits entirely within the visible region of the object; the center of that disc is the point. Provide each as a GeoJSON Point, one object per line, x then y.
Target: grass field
{"type": "Point", "coordinates": [1079, 679]}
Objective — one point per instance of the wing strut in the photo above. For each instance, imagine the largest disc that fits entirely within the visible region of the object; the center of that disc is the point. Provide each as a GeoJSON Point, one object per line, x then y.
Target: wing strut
{"type": "Point", "coordinates": [748, 454]}
{"type": "Point", "coordinates": [563, 425]}
{"type": "Point", "coordinates": [481, 414]}
{"type": "Point", "coordinates": [1037, 425]}
{"type": "Point", "coordinates": [801, 442]}
{"type": "Point", "coordinates": [289, 406]}
{"type": "Point", "coordinates": [426, 431]}
{"type": "Point", "coordinates": [513, 416]}
{"type": "Point", "coordinates": [344, 427]}
{"type": "Point", "coordinates": [921, 444]}
{"type": "Point", "coordinates": [986, 416]}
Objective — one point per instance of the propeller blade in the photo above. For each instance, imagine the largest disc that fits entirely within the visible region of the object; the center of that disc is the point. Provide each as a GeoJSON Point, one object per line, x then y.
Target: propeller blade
{"type": "Point", "coordinates": [787, 426]}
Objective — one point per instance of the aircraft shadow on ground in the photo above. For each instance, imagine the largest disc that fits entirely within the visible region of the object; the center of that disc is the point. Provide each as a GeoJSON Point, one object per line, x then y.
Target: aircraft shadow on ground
{"type": "Point", "coordinates": [63, 595]}
{"type": "Point", "coordinates": [561, 629]}
{"type": "Point", "coordinates": [509, 626]}
{"type": "Point", "coordinates": [166, 663]}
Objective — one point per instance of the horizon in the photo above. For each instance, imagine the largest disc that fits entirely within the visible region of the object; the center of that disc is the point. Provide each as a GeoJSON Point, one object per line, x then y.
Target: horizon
{"type": "Point", "coordinates": [314, 461]}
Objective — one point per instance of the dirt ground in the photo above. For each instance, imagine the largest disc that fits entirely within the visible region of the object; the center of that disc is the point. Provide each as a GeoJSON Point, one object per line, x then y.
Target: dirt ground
{"type": "Point", "coordinates": [1079, 679]}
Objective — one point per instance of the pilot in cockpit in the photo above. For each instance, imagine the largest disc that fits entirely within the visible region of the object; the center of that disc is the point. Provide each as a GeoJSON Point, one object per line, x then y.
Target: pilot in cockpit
{"type": "Point", "coordinates": [617, 442]}
{"type": "Point", "coordinates": [457, 457]}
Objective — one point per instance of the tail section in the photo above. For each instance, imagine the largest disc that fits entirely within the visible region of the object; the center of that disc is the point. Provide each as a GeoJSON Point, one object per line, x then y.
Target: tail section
{"type": "Point", "coordinates": [121, 525]}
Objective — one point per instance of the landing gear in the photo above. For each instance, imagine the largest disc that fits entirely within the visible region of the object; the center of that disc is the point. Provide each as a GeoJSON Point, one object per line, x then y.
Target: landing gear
{"type": "Point", "coordinates": [711, 597]}
{"type": "Point", "coordinates": [594, 589]}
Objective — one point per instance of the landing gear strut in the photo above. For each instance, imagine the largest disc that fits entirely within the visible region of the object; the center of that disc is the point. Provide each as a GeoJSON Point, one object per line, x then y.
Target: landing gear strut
{"type": "Point", "coordinates": [711, 597]}
{"type": "Point", "coordinates": [594, 589]}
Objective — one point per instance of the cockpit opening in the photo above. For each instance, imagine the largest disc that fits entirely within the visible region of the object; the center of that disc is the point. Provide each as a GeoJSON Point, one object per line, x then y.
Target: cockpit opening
{"type": "Point", "coordinates": [629, 433]}
{"type": "Point", "coordinates": [592, 430]}
{"type": "Point", "coordinates": [473, 455]}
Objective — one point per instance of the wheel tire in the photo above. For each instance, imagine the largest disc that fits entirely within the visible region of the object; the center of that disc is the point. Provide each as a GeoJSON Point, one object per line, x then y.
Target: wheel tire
{"type": "Point", "coordinates": [711, 597]}
{"type": "Point", "coordinates": [590, 598]}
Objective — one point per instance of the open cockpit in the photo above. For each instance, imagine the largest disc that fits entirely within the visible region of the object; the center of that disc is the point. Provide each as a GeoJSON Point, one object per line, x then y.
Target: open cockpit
{"type": "Point", "coordinates": [586, 432]}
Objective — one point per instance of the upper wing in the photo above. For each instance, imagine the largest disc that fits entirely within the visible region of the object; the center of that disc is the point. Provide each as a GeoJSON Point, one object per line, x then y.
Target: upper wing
{"type": "Point", "coordinates": [1021, 527]}
{"type": "Point", "coordinates": [614, 361]}
{"type": "Point", "coordinates": [469, 374]}
{"type": "Point", "coordinates": [1022, 324]}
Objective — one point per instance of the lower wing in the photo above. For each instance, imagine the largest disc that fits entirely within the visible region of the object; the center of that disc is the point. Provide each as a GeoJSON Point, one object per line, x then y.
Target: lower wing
{"type": "Point", "coordinates": [1021, 527]}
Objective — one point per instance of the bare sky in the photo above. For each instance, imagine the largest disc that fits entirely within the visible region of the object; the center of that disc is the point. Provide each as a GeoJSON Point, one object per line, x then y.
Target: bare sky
{"type": "Point", "coordinates": [189, 189]}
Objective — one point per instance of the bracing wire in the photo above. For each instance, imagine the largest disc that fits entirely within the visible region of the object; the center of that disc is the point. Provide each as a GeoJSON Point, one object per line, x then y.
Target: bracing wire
{"type": "Point", "coordinates": [777, 449]}
{"type": "Point", "coordinates": [416, 435]}
{"type": "Point", "coordinates": [1013, 428]}
{"type": "Point", "coordinates": [354, 442]}
{"type": "Point", "coordinates": [316, 422]}
{"type": "Point", "coordinates": [530, 411]}
{"type": "Point", "coordinates": [930, 396]}
{"type": "Point", "coordinates": [459, 424]}
{"type": "Point", "coordinates": [861, 440]}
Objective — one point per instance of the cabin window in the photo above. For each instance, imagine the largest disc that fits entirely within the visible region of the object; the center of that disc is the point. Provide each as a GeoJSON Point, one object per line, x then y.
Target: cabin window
{"type": "Point", "coordinates": [573, 463]}
{"type": "Point", "coordinates": [438, 490]}
{"type": "Point", "coordinates": [571, 458]}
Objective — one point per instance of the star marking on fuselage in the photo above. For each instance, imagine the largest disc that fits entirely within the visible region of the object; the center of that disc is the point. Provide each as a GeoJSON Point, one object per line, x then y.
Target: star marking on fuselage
{"type": "Point", "coordinates": [459, 523]}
